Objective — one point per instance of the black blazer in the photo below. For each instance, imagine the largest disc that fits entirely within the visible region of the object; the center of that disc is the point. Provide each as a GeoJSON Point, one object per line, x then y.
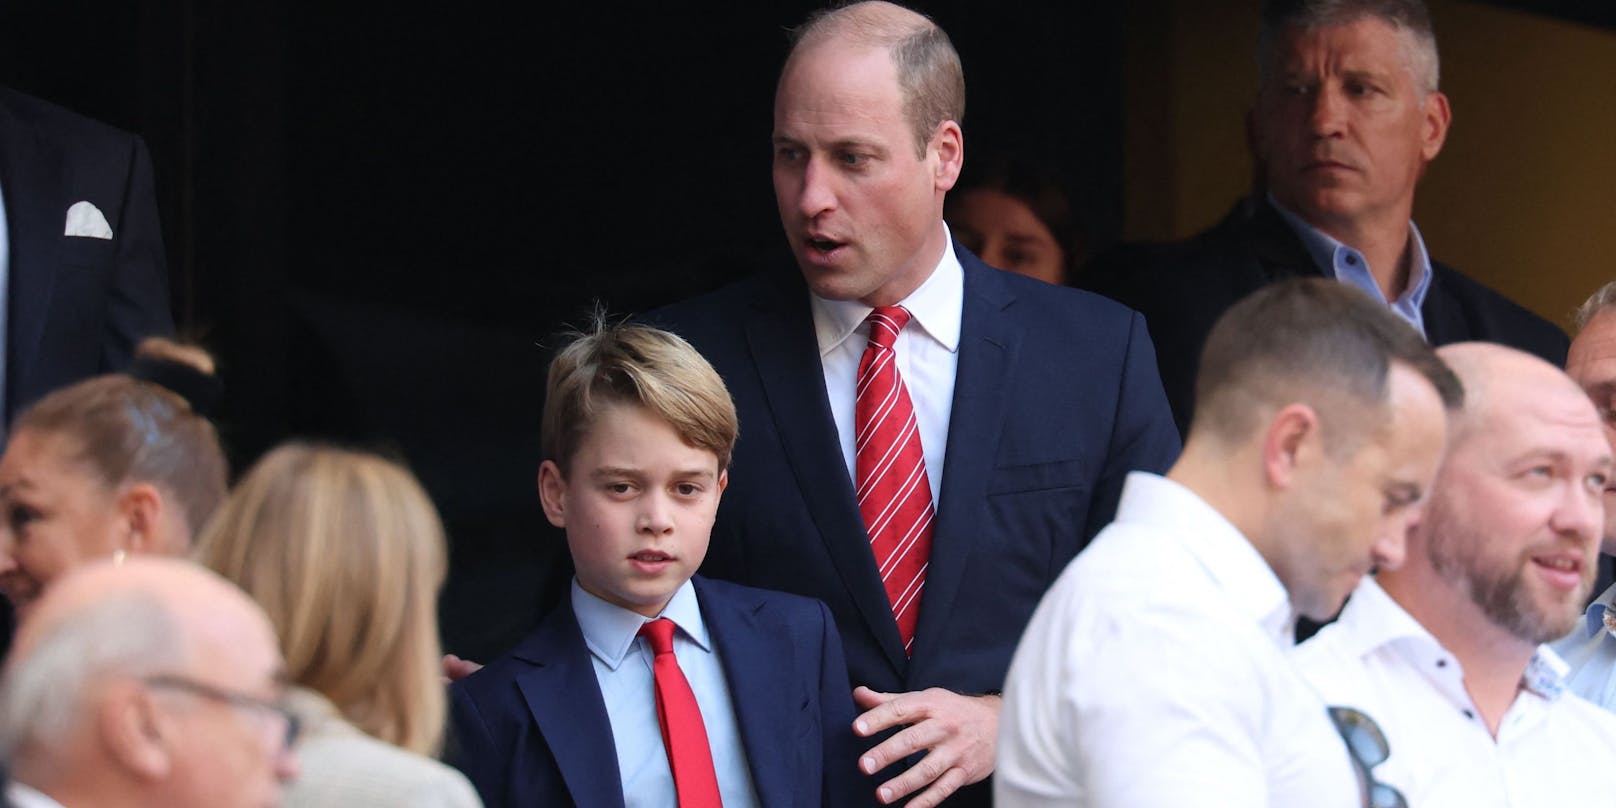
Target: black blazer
{"type": "Point", "coordinates": [76, 306]}
{"type": "Point", "coordinates": [1183, 287]}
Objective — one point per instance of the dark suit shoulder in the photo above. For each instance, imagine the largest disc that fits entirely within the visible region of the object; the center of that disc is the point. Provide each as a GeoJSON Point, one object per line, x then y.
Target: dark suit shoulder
{"type": "Point", "coordinates": [63, 125]}
{"type": "Point", "coordinates": [795, 608]}
{"type": "Point", "coordinates": [1459, 308]}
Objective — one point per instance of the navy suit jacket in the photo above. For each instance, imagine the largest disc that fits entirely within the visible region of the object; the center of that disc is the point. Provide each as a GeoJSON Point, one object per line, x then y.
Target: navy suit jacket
{"type": "Point", "coordinates": [1056, 399]}
{"type": "Point", "coordinates": [1182, 288]}
{"type": "Point", "coordinates": [531, 728]}
{"type": "Point", "coordinates": [76, 306]}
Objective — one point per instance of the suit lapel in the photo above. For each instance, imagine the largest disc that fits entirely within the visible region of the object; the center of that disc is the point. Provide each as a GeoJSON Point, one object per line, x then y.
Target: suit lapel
{"type": "Point", "coordinates": [756, 656]}
{"type": "Point", "coordinates": [564, 697]}
{"type": "Point", "coordinates": [989, 341]}
{"type": "Point", "coordinates": [780, 333]}
{"type": "Point", "coordinates": [1279, 250]}
{"type": "Point", "coordinates": [1443, 317]}
{"type": "Point", "coordinates": [30, 171]}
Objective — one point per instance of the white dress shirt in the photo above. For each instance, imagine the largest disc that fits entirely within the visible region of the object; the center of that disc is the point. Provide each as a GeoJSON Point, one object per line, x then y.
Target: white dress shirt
{"type": "Point", "coordinates": [622, 663]}
{"type": "Point", "coordinates": [1590, 650]}
{"type": "Point", "coordinates": [1153, 675]}
{"type": "Point", "coordinates": [1553, 749]}
{"type": "Point", "coordinates": [22, 796]}
{"type": "Point", "coordinates": [927, 353]}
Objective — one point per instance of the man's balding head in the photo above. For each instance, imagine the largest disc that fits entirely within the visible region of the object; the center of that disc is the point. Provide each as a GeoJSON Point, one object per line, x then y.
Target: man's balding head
{"type": "Point", "coordinates": [153, 680]}
{"type": "Point", "coordinates": [1515, 512]}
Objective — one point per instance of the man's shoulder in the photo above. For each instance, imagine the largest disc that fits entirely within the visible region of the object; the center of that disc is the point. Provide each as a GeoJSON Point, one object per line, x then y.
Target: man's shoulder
{"type": "Point", "coordinates": [1213, 268]}
{"type": "Point", "coordinates": [61, 124]}
{"type": "Point", "coordinates": [1484, 314]}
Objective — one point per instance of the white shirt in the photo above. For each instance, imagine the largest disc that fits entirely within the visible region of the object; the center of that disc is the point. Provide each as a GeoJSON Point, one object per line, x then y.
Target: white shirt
{"type": "Point", "coordinates": [927, 353]}
{"type": "Point", "coordinates": [1590, 650]}
{"type": "Point", "coordinates": [622, 663]}
{"type": "Point", "coordinates": [1553, 749]}
{"type": "Point", "coordinates": [22, 796]}
{"type": "Point", "coordinates": [1153, 675]}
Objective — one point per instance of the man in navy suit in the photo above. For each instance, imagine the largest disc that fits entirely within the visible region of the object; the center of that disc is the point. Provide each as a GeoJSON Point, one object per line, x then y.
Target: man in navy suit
{"type": "Point", "coordinates": [1031, 402]}
{"type": "Point", "coordinates": [81, 254]}
{"type": "Point", "coordinates": [637, 434]}
{"type": "Point", "coordinates": [1348, 115]}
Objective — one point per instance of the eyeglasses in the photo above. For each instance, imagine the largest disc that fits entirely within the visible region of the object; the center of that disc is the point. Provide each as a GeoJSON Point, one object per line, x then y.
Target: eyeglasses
{"type": "Point", "coordinates": [188, 685]}
{"type": "Point", "coordinates": [1369, 749]}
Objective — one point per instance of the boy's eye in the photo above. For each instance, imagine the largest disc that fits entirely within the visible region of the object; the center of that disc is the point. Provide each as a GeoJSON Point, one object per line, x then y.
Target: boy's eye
{"type": "Point", "coordinates": [687, 489]}
{"type": "Point", "coordinates": [619, 488]}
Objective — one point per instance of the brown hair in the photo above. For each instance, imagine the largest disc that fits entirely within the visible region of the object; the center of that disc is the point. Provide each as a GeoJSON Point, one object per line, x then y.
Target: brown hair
{"type": "Point", "coordinates": [930, 78]}
{"type": "Point", "coordinates": [1313, 340]}
{"type": "Point", "coordinates": [127, 430]}
{"type": "Point", "coordinates": [345, 552]}
{"type": "Point", "coordinates": [640, 365]}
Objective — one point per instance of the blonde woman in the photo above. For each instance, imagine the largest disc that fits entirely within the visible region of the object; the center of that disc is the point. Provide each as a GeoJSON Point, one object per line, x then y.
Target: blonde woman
{"type": "Point", "coordinates": [113, 465]}
{"type": "Point", "coordinates": [346, 554]}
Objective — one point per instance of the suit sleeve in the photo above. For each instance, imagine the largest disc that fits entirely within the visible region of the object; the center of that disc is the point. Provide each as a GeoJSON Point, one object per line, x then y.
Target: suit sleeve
{"type": "Point", "coordinates": [471, 748]}
{"type": "Point", "coordinates": [137, 304]}
{"type": "Point", "coordinates": [1145, 437]}
{"type": "Point", "coordinates": [843, 783]}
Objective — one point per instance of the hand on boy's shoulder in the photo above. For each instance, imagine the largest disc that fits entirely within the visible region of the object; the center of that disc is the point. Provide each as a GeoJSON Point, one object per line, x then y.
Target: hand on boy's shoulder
{"type": "Point", "coordinates": [455, 668]}
{"type": "Point", "coordinates": [958, 733]}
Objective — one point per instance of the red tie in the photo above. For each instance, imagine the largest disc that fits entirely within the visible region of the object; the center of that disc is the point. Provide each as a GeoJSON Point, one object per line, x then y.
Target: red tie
{"type": "Point", "coordinates": [894, 494]}
{"type": "Point", "coordinates": [684, 736]}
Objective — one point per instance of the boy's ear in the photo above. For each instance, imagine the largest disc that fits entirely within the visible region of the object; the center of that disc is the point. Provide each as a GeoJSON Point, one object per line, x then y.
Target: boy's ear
{"type": "Point", "coordinates": [723, 480]}
{"type": "Point", "coordinates": [553, 493]}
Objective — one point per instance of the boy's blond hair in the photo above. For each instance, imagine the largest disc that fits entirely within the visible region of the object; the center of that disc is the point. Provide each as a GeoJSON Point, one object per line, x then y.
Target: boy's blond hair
{"type": "Point", "coordinates": [623, 363]}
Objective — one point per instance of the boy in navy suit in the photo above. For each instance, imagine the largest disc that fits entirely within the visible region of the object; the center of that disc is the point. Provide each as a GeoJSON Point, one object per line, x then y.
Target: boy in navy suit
{"type": "Point", "coordinates": [751, 708]}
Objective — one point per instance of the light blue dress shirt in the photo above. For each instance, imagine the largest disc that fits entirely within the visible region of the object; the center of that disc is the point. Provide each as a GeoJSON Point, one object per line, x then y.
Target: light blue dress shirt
{"type": "Point", "coordinates": [1590, 650]}
{"type": "Point", "coordinates": [622, 664]}
{"type": "Point", "coordinates": [1349, 266]}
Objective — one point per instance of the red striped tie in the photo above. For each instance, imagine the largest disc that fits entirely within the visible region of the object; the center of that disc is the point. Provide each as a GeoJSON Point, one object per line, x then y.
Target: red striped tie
{"type": "Point", "coordinates": [894, 494]}
{"type": "Point", "coordinates": [684, 735]}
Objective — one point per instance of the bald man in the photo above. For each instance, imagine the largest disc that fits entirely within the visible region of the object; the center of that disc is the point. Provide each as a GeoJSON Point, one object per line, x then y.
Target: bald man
{"type": "Point", "coordinates": [1447, 650]}
{"type": "Point", "coordinates": [151, 683]}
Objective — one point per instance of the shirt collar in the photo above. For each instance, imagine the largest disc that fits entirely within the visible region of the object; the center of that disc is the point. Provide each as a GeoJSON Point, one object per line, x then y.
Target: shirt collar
{"type": "Point", "coordinates": [1328, 253]}
{"type": "Point", "coordinates": [1222, 550]}
{"type": "Point", "coordinates": [935, 306]}
{"type": "Point", "coordinates": [1372, 620]}
{"type": "Point", "coordinates": [1597, 609]}
{"type": "Point", "coordinates": [610, 630]}
{"type": "Point", "coordinates": [25, 796]}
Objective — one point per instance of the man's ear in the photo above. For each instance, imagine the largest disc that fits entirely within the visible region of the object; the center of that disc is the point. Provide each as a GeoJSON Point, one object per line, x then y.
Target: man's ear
{"type": "Point", "coordinates": [553, 493]}
{"type": "Point", "coordinates": [1438, 117]}
{"type": "Point", "coordinates": [141, 506]}
{"type": "Point", "coordinates": [948, 143]}
{"type": "Point", "coordinates": [135, 732]}
{"type": "Point", "coordinates": [1292, 435]}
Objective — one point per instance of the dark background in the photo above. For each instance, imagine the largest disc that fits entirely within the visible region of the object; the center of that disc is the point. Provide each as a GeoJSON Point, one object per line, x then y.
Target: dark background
{"type": "Point", "coordinates": [378, 214]}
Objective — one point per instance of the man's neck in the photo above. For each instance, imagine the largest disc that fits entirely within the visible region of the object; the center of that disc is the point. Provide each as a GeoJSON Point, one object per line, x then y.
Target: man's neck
{"type": "Point", "coordinates": [1493, 660]}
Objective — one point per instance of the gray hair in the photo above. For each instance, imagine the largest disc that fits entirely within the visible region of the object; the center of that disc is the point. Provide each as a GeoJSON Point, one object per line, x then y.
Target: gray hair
{"type": "Point", "coordinates": [45, 690]}
{"type": "Point", "coordinates": [1410, 18]}
{"type": "Point", "coordinates": [1599, 301]}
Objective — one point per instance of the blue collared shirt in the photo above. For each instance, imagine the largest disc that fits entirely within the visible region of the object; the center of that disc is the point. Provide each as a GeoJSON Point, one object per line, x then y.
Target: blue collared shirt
{"type": "Point", "coordinates": [622, 664]}
{"type": "Point", "coordinates": [1590, 650]}
{"type": "Point", "coordinates": [1349, 266]}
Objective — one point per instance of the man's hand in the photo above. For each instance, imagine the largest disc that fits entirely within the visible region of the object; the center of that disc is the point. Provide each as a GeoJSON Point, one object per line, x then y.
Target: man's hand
{"type": "Point", "coordinates": [455, 668]}
{"type": "Point", "coordinates": [959, 732]}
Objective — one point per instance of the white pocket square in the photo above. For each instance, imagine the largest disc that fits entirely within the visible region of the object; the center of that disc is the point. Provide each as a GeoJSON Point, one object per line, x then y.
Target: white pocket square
{"type": "Point", "coordinates": [85, 220]}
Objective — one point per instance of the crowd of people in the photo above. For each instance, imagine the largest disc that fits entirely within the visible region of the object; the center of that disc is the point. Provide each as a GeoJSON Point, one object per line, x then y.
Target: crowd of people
{"type": "Point", "coordinates": [893, 526]}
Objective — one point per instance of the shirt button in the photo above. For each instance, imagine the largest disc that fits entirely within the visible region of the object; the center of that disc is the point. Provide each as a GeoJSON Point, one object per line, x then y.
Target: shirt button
{"type": "Point", "coordinates": [1442, 663]}
{"type": "Point", "coordinates": [1469, 714]}
{"type": "Point", "coordinates": [1352, 260]}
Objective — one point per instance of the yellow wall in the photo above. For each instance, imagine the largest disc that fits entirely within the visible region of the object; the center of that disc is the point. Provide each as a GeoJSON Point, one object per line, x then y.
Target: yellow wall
{"type": "Point", "coordinates": [1523, 197]}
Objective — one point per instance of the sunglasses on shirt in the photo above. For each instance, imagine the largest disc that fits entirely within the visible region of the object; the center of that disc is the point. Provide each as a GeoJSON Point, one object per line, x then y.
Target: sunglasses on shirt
{"type": "Point", "coordinates": [1369, 749]}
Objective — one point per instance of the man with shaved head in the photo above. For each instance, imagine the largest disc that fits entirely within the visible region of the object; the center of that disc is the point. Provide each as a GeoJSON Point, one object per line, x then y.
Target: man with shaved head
{"type": "Point", "coordinates": [925, 440]}
{"type": "Point", "coordinates": [150, 683]}
{"type": "Point", "coordinates": [1447, 650]}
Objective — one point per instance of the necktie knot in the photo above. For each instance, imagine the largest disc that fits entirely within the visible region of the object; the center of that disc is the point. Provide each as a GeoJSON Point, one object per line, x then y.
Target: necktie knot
{"type": "Point", "coordinates": [885, 323]}
{"type": "Point", "coordinates": [659, 633]}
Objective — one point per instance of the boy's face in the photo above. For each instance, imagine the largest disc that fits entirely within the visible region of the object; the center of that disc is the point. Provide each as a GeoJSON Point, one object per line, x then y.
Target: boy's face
{"type": "Point", "coordinates": [638, 504]}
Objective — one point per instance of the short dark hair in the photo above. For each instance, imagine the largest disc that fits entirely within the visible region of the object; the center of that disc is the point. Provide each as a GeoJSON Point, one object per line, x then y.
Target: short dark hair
{"type": "Point", "coordinates": [1406, 16]}
{"type": "Point", "coordinates": [1312, 340]}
